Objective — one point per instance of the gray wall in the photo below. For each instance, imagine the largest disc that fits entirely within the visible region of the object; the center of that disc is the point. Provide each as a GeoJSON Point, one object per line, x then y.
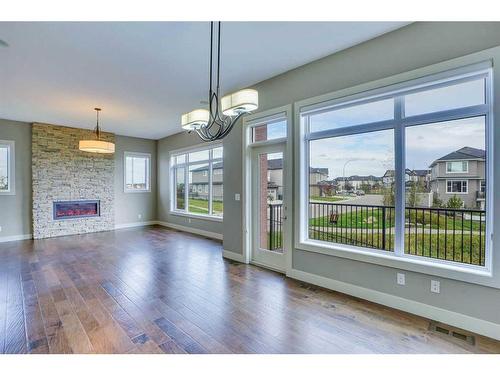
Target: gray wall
{"type": "Point", "coordinates": [19, 206]}
{"type": "Point", "coordinates": [165, 145]}
{"type": "Point", "coordinates": [128, 206]}
{"type": "Point", "coordinates": [414, 46]}
{"type": "Point", "coordinates": [15, 210]}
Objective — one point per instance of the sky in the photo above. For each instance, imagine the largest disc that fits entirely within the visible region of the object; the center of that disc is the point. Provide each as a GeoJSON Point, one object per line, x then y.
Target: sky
{"type": "Point", "coordinates": [373, 153]}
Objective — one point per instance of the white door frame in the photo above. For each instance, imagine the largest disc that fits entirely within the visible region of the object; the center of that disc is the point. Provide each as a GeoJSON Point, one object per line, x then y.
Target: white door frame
{"type": "Point", "coordinates": [250, 121]}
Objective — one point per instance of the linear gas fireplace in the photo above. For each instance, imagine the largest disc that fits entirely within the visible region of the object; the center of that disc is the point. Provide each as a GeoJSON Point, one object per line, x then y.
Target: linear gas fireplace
{"type": "Point", "coordinates": [76, 209]}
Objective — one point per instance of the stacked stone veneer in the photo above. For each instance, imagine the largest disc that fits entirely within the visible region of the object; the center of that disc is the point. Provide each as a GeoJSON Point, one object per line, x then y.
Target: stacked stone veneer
{"type": "Point", "coordinates": [61, 172]}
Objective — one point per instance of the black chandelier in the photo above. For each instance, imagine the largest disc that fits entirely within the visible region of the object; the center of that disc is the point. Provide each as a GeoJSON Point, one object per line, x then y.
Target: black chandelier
{"type": "Point", "coordinates": [216, 122]}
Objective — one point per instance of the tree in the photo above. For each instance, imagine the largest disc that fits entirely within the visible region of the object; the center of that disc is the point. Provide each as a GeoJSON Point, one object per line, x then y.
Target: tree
{"type": "Point", "coordinates": [412, 197]}
{"type": "Point", "coordinates": [389, 199]}
{"type": "Point", "coordinates": [455, 202]}
{"type": "Point", "coordinates": [436, 202]}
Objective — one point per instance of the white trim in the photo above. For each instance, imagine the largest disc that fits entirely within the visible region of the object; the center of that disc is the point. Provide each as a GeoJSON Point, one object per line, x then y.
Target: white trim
{"type": "Point", "coordinates": [466, 322]}
{"type": "Point", "coordinates": [146, 156]}
{"type": "Point", "coordinates": [11, 167]}
{"type": "Point", "coordinates": [185, 166]}
{"type": "Point", "coordinates": [396, 86]}
{"type": "Point", "coordinates": [458, 192]}
{"type": "Point", "coordinates": [247, 151]}
{"type": "Point", "coordinates": [197, 216]}
{"type": "Point", "coordinates": [201, 232]}
{"type": "Point", "coordinates": [134, 225]}
{"type": "Point", "coordinates": [456, 161]}
{"type": "Point", "coordinates": [19, 237]}
{"type": "Point", "coordinates": [233, 256]}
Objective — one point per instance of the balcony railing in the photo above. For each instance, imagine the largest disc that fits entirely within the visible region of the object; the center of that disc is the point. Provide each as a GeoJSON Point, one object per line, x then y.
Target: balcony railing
{"type": "Point", "coordinates": [456, 235]}
{"type": "Point", "coordinates": [449, 234]}
{"type": "Point", "coordinates": [275, 226]}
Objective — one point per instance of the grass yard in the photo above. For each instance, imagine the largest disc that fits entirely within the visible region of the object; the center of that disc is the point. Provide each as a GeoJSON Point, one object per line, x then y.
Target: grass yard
{"type": "Point", "coordinates": [372, 218]}
{"type": "Point", "coordinates": [328, 199]}
{"type": "Point", "coordinates": [200, 206]}
{"type": "Point", "coordinates": [426, 245]}
{"type": "Point", "coordinates": [351, 219]}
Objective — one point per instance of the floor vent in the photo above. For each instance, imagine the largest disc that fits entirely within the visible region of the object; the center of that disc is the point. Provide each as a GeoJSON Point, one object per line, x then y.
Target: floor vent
{"type": "Point", "coordinates": [452, 332]}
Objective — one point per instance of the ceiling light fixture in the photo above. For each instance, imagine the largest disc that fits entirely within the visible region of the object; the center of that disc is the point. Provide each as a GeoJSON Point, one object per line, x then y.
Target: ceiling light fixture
{"type": "Point", "coordinates": [216, 122]}
{"type": "Point", "coordinates": [97, 146]}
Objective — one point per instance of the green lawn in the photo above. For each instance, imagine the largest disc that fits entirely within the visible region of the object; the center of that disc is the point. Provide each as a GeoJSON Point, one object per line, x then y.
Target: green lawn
{"type": "Point", "coordinates": [416, 244]}
{"type": "Point", "coordinates": [328, 199]}
{"type": "Point", "coordinates": [200, 206]}
{"type": "Point", "coordinates": [353, 219]}
{"type": "Point", "coordinates": [373, 218]}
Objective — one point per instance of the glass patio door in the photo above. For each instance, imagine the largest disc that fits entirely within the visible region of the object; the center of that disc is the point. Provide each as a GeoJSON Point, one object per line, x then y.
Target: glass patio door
{"type": "Point", "coordinates": [269, 209]}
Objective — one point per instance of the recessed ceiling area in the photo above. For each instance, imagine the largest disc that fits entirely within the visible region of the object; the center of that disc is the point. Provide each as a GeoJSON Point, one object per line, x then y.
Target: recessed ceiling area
{"type": "Point", "coordinates": [144, 75]}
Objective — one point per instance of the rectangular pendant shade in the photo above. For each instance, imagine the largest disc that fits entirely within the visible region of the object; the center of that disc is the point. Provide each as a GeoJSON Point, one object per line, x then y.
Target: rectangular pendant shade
{"type": "Point", "coordinates": [240, 102]}
{"type": "Point", "coordinates": [96, 146]}
{"type": "Point", "coordinates": [195, 119]}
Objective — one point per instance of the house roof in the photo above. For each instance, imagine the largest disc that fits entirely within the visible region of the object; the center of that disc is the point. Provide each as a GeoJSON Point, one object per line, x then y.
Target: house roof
{"type": "Point", "coordinates": [421, 172]}
{"type": "Point", "coordinates": [274, 164]}
{"type": "Point", "coordinates": [465, 153]}
{"type": "Point", "coordinates": [359, 178]}
{"type": "Point", "coordinates": [415, 172]}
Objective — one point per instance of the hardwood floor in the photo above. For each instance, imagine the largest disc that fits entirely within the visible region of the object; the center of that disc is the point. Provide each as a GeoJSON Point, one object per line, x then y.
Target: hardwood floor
{"type": "Point", "coordinates": [155, 290]}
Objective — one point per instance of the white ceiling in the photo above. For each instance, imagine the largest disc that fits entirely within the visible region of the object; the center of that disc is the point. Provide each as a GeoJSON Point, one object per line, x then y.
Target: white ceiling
{"type": "Point", "coordinates": [144, 75]}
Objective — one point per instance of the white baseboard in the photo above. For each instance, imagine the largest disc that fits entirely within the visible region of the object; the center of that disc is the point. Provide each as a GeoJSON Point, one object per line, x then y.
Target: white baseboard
{"type": "Point", "coordinates": [201, 232]}
{"type": "Point", "coordinates": [233, 256]}
{"type": "Point", "coordinates": [448, 317]}
{"type": "Point", "coordinates": [136, 224]}
{"type": "Point", "coordinates": [16, 238]}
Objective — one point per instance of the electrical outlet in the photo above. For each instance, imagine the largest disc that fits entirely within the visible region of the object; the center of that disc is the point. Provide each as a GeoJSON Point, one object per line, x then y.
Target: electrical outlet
{"type": "Point", "coordinates": [139, 216]}
{"type": "Point", "coordinates": [189, 220]}
{"type": "Point", "coordinates": [401, 279]}
{"type": "Point", "coordinates": [435, 286]}
{"type": "Point", "coordinates": [237, 197]}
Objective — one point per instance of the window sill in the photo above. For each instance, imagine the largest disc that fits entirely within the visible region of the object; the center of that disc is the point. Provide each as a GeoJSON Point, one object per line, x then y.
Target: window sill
{"type": "Point", "coordinates": [197, 216]}
{"type": "Point", "coordinates": [7, 193]}
{"type": "Point", "coordinates": [467, 273]}
{"type": "Point", "coordinates": [136, 191]}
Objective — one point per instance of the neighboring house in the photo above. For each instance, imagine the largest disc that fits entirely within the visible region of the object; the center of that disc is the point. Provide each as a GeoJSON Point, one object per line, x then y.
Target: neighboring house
{"type": "Point", "coordinates": [388, 177]}
{"type": "Point", "coordinates": [422, 177]}
{"type": "Point", "coordinates": [199, 182]}
{"type": "Point", "coordinates": [460, 173]}
{"type": "Point", "coordinates": [318, 186]}
{"type": "Point", "coordinates": [356, 182]}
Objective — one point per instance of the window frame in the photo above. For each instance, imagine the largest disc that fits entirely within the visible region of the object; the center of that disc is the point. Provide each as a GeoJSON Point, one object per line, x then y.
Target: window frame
{"type": "Point", "coordinates": [457, 161]}
{"type": "Point", "coordinates": [187, 186]}
{"type": "Point", "coordinates": [462, 185]}
{"type": "Point", "coordinates": [11, 167]}
{"type": "Point", "coordinates": [132, 154]}
{"type": "Point", "coordinates": [446, 73]}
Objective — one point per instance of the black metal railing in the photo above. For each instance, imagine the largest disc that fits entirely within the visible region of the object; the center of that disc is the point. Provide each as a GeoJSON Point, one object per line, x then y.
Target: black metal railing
{"type": "Point", "coordinates": [360, 225]}
{"type": "Point", "coordinates": [449, 234]}
{"type": "Point", "coordinates": [275, 226]}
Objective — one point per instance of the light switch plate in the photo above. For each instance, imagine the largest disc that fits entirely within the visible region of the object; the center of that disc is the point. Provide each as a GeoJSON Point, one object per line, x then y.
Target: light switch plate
{"type": "Point", "coordinates": [401, 279]}
{"type": "Point", "coordinates": [237, 197]}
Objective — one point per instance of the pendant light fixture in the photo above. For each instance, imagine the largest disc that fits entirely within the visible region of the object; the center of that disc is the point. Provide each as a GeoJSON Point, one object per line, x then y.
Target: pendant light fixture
{"type": "Point", "coordinates": [97, 145]}
{"type": "Point", "coordinates": [216, 122]}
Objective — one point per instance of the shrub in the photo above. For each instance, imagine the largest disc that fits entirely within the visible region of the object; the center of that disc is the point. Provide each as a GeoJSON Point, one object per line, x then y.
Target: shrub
{"type": "Point", "coordinates": [455, 202]}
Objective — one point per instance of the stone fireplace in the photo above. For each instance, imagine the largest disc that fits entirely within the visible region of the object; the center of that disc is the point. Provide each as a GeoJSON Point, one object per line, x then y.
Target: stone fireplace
{"type": "Point", "coordinates": [73, 191]}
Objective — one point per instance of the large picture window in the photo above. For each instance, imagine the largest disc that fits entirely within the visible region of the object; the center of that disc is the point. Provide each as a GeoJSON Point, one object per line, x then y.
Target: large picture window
{"type": "Point", "coordinates": [197, 182]}
{"type": "Point", "coordinates": [7, 167]}
{"type": "Point", "coordinates": [376, 171]}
